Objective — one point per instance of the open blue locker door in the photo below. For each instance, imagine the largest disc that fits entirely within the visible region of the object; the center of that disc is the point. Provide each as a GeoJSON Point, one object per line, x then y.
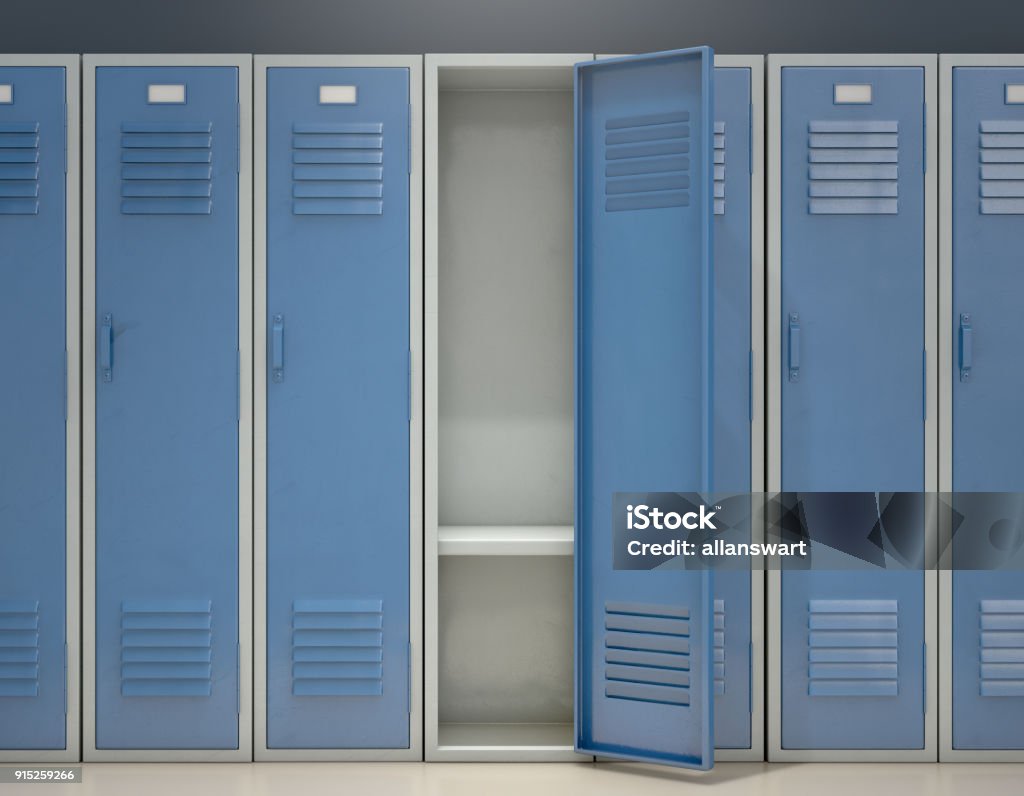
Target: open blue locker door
{"type": "Point", "coordinates": [853, 337]}
{"type": "Point", "coordinates": [338, 396]}
{"type": "Point", "coordinates": [732, 363]}
{"type": "Point", "coordinates": [167, 403]}
{"type": "Point", "coordinates": [988, 431]}
{"type": "Point", "coordinates": [33, 242]}
{"type": "Point", "coordinates": [643, 397]}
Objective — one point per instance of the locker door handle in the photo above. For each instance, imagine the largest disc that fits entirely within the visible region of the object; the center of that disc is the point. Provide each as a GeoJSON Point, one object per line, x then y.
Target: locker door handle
{"type": "Point", "coordinates": [794, 347]}
{"type": "Point", "coordinates": [966, 347]}
{"type": "Point", "coordinates": [106, 343]}
{"type": "Point", "coordinates": [277, 349]}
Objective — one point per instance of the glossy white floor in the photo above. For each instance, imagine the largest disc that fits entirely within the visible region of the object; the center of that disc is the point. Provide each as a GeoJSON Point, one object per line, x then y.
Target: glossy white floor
{"type": "Point", "coordinates": [534, 779]}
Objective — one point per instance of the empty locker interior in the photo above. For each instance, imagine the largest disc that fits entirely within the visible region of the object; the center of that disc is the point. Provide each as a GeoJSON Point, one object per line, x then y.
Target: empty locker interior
{"type": "Point", "coordinates": [499, 407]}
{"type": "Point", "coordinates": [982, 229]}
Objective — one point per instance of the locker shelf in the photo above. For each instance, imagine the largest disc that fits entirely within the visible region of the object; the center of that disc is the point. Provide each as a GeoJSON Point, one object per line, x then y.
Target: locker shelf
{"type": "Point", "coordinates": [510, 540]}
{"type": "Point", "coordinates": [509, 736]}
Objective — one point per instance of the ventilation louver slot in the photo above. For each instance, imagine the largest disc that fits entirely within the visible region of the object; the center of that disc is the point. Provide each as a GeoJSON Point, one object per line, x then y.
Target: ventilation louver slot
{"type": "Point", "coordinates": [719, 168]}
{"type": "Point", "coordinates": [646, 161]}
{"type": "Point", "coordinates": [1002, 168]}
{"type": "Point", "coordinates": [854, 167]}
{"type": "Point", "coordinates": [338, 169]}
{"type": "Point", "coordinates": [719, 649]}
{"type": "Point", "coordinates": [337, 648]}
{"type": "Point", "coordinates": [647, 653]}
{"type": "Point", "coordinates": [19, 169]}
{"type": "Point", "coordinates": [19, 648]}
{"type": "Point", "coordinates": [167, 168]}
{"type": "Point", "coordinates": [853, 648]}
{"type": "Point", "coordinates": [166, 648]}
{"type": "Point", "coordinates": [1002, 648]}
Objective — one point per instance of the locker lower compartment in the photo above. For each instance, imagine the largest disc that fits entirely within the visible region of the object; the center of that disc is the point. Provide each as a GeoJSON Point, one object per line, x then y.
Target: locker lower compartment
{"type": "Point", "coordinates": [853, 660]}
{"type": "Point", "coordinates": [988, 660]}
{"type": "Point", "coordinates": [505, 642]}
{"type": "Point", "coordinates": [733, 659]}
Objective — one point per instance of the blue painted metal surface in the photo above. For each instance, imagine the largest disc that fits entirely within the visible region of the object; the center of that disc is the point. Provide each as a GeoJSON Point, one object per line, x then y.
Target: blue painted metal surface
{"type": "Point", "coordinates": [732, 217]}
{"type": "Point", "coordinates": [167, 267]}
{"type": "Point", "coordinates": [338, 410]}
{"type": "Point", "coordinates": [643, 387]}
{"type": "Point", "coordinates": [853, 283]}
{"type": "Point", "coordinates": [988, 436]}
{"type": "Point", "coordinates": [32, 410]}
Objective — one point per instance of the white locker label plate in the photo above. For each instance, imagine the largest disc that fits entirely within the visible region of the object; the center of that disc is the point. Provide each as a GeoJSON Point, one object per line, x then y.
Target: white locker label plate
{"type": "Point", "coordinates": [166, 94]}
{"type": "Point", "coordinates": [338, 95]}
{"type": "Point", "coordinates": [1014, 93]}
{"type": "Point", "coordinates": [852, 93]}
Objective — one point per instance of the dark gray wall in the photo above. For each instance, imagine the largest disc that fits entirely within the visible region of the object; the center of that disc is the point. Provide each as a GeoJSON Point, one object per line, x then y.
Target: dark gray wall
{"type": "Point", "coordinates": [418, 26]}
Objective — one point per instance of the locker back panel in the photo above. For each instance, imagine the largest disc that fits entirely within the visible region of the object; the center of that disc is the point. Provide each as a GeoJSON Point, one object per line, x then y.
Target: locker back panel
{"type": "Point", "coordinates": [167, 214]}
{"type": "Point", "coordinates": [643, 320]}
{"type": "Point", "coordinates": [32, 410]}
{"type": "Point", "coordinates": [988, 435]}
{"type": "Point", "coordinates": [852, 412]}
{"type": "Point", "coordinates": [338, 410]}
{"type": "Point", "coordinates": [732, 390]}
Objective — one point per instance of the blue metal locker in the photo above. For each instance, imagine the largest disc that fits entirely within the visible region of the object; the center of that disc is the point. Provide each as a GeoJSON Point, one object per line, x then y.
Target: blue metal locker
{"type": "Point", "coordinates": [732, 380]}
{"type": "Point", "coordinates": [33, 262]}
{"type": "Point", "coordinates": [643, 392]}
{"type": "Point", "coordinates": [853, 397]}
{"type": "Point", "coordinates": [338, 408]}
{"type": "Point", "coordinates": [988, 435]}
{"type": "Point", "coordinates": [167, 404]}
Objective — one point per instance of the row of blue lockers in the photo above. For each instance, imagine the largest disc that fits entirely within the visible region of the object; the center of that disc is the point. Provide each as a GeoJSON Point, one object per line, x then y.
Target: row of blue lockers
{"type": "Point", "coordinates": [855, 391]}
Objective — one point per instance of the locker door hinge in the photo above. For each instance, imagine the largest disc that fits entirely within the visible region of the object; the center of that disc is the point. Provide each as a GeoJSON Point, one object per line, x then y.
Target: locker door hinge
{"type": "Point", "coordinates": [750, 678]}
{"type": "Point", "coordinates": [924, 384]}
{"type": "Point", "coordinates": [408, 119]}
{"type": "Point", "coordinates": [408, 679]}
{"type": "Point", "coordinates": [65, 385]}
{"type": "Point", "coordinates": [924, 678]}
{"type": "Point", "coordinates": [238, 138]}
{"type": "Point", "coordinates": [238, 385]}
{"type": "Point", "coordinates": [408, 386]}
{"type": "Point", "coordinates": [238, 679]}
{"type": "Point", "coordinates": [750, 386]}
{"type": "Point", "coordinates": [750, 138]}
{"type": "Point", "coordinates": [65, 138]}
{"type": "Point", "coordinates": [66, 678]}
{"type": "Point", "coordinates": [924, 138]}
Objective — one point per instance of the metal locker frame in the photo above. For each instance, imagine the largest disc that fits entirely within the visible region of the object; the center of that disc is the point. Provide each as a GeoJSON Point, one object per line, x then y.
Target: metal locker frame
{"type": "Point", "coordinates": [244, 751]}
{"type": "Point", "coordinates": [414, 63]}
{"type": "Point", "coordinates": [756, 65]}
{"type": "Point", "coordinates": [947, 352]}
{"type": "Point", "coordinates": [71, 752]}
{"type": "Point", "coordinates": [521, 546]}
{"type": "Point", "coordinates": [774, 391]}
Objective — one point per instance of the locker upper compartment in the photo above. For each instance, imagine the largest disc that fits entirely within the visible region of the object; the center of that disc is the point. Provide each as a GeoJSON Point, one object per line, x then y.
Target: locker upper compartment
{"type": "Point", "coordinates": [348, 142]}
{"type": "Point", "coordinates": [32, 147]}
{"type": "Point", "coordinates": [646, 120]}
{"type": "Point", "coordinates": [862, 137]}
{"type": "Point", "coordinates": [174, 139]}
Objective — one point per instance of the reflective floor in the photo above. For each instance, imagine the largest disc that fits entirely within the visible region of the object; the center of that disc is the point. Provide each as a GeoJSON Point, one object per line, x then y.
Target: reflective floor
{"type": "Point", "coordinates": [525, 779]}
